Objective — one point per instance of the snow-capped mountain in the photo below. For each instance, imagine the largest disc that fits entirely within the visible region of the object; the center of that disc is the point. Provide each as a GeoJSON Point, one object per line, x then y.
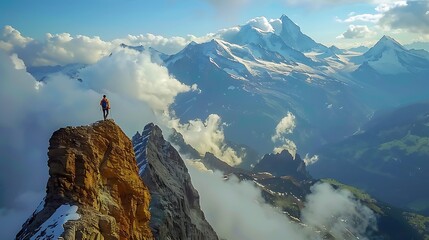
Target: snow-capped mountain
{"type": "Point", "coordinates": [253, 74]}
{"type": "Point", "coordinates": [155, 54]}
{"type": "Point", "coordinates": [254, 80]}
{"type": "Point", "coordinates": [42, 73]}
{"type": "Point", "coordinates": [388, 56]}
{"type": "Point", "coordinates": [292, 36]}
{"type": "Point", "coordinates": [267, 45]}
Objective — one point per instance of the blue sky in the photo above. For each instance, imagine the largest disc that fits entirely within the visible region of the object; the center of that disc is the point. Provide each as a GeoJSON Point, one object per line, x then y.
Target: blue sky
{"type": "Point", "coordinates": [324, 21]}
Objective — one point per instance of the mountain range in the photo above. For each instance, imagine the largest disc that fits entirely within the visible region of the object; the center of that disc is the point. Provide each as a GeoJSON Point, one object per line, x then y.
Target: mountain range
{"type": "Point", "coordinates": [253, 77]}
{"type": "Point", "coordinates": [348, 106]}
{"type": "Point", "coordinates": [253, 74]}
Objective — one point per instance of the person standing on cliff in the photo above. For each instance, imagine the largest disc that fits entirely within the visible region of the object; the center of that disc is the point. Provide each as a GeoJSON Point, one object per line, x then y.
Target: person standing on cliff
{"type": "Point", "coordinates": [105, 105]}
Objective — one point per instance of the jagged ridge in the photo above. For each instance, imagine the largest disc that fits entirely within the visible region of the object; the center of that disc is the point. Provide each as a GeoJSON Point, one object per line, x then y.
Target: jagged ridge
{"type": "Point", "coordinates": [175, 207]}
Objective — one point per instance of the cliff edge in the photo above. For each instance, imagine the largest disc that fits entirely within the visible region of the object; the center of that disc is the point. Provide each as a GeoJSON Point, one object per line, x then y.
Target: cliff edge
{"type": "Point", "coordinates": [94, 190]}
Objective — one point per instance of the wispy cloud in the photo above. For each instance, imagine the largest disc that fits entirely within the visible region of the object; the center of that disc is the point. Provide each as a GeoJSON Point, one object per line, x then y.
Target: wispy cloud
{"type": "Point", "coordinates": [357, 31]}
{"type": "Point", "coordinates": [374, 18]}
{"type": "Point", "coordinates": [308, 160]}
{"type": "Point", "coordinates": [207, 136]}
{"type": "Point", "coordinates": [283, 128]}
{"type": "Point", "coordinates": [139, 77]}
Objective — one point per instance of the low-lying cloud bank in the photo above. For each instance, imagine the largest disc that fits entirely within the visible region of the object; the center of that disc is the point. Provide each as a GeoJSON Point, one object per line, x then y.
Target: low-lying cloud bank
{"type": "Point", "coordinates": [237, 211]}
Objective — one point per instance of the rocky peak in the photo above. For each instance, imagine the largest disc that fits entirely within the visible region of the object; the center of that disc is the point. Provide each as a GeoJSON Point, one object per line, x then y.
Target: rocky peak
{"type": "Point", "coordinates": [283, 164]}
{"type": "Point", "coordinates": [175, 207]}
{"type": "Point", "coordinates": [386, 43]}
{"type": "Point", "coordinates": [292, 35]}
{"type": "Point", "coordinates": [94, 190]}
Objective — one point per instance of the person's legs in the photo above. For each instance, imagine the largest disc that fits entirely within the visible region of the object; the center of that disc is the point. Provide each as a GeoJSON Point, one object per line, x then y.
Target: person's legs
{"type": "Point", "coordinates": [104, 114]}
{"type": "Point", "coordinates": [107, 113]}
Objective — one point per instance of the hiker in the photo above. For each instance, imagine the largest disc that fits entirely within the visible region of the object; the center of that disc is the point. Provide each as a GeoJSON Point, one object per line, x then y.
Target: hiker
{"type": "Point", "coordinates": [105, 105]}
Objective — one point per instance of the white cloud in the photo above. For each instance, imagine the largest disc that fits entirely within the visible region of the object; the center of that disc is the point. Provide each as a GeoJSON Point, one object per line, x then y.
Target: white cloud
{"type": "Point", "coordinates": [207, 136]}
{"type": "Point", "coordinates": [56, 49]}
{"type": "Point", "coordinates": [285, 126]}
{"type": "Point", "coordinates": [374, 18]}
{"type": "Point", "coordinates": [288, 145]}
{"type": "Point", "coordinates": [338, 212]}
{"type": "Point", "coordinates": [228, 33]}
{"type": "Point", "coordinates": [139, 78]}
{"type": "Point", "coordinates": [387, 6]}
{"type": "Point", "coordinates": [310, 160]}
{"type": "Point", "coordinates": [17, 62]}
{"type": "Point", "coordinates": [277, 25]}
{"type": "Point", "coordinates": [261, 23]}
{"type": "Point", "coordinates": [62, 49]}
{"type": "Point", "coordinates": [356, 31]}
{"type": "Point", "coordinates": [12, 38]}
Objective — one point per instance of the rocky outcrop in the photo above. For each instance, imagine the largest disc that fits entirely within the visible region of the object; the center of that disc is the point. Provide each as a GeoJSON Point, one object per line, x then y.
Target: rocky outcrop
{"type": "Point", "coordinates": [177, 139]}
{"type": "Point", "coordinates": [94, 190]}
{"type": "Point", "coordinates": [175, 208]}
{"type": "Point", "coordinates": [283, 164]}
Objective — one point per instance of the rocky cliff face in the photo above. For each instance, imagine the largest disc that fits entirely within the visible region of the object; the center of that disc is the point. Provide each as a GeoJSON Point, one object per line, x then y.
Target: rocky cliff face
{"type": "Point", "coordinates": [175, 208]}
{"type": "Point", "coordinates": [94, 190]}
{"type": "Point", "coordinates": [283, 164]}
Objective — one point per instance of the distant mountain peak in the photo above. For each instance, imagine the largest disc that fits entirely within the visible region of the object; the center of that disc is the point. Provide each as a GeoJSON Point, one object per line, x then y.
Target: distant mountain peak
{"type": "Point", "coordinates": [387, 42]}
{"type": "Point", "coordinates": [388, 56]}
{"type": "Point", "coordinates": [289, 24]}
{"type": "Point", "coordinates": [390, 40]}
{"type": "Point", "coordinates": [292, 36]}
{"type": "Point", "coordinates": [283, 164]}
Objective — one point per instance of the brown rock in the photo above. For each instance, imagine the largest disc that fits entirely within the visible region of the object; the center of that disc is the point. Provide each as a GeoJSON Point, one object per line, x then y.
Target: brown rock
{"type": "Point", "coordinates": [94, 168]}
